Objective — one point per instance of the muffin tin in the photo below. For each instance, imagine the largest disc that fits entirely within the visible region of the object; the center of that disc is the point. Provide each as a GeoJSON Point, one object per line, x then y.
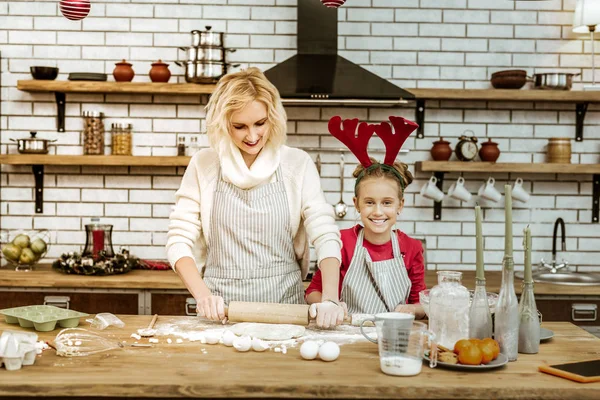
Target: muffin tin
{"type": "Point", "coordinates": [42, 318]}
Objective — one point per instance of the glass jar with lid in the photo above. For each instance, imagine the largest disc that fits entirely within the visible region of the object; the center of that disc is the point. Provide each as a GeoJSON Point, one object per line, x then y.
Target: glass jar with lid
{"type": "Point", "coordinates": [93, 133]}
{"type": "Point", "coordinates": [121, 139]}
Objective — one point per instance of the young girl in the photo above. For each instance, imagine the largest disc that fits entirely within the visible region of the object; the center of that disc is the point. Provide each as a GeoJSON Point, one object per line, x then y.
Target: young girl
{"type": "Point", "coordinates": [382, 268]}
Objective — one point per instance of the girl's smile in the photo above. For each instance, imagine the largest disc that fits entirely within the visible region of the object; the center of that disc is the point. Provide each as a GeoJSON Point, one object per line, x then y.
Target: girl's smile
{"type": "Point", "coordinates": [378, 204]}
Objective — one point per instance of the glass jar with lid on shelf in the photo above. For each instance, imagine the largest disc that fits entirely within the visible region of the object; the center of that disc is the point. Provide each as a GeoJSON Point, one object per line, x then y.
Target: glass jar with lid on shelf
{"type": "Point", "coordinates": [121, 139]}
{"type": "Point", "coordinates": [93, 133]}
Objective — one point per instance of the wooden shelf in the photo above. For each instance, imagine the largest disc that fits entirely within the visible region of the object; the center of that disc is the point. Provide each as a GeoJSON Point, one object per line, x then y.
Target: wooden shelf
{"type": "Point", "coordinates": [114, 87]}
{"type": "Point", "coordinates": [489, 167]}
{"type": "Point", "coordinates": [48, 159]}
{"type": "Point", "coordinates": [568, 96]}
{"type": "Point", "coordinates": [195, 89]}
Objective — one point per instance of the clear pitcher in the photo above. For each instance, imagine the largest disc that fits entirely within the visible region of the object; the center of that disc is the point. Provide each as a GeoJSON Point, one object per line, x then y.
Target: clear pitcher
{"type": "Point", "coordinates": [449, 303]}
{"type": "Point", "coordinates": [402, 343]}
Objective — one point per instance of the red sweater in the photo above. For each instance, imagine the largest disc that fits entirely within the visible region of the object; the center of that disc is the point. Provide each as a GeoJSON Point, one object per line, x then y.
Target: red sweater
{"type": "Point", "coordinates": [412, 253]}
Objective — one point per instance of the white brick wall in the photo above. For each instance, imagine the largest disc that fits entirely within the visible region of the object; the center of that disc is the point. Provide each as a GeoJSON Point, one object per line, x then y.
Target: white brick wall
{"type": "Point", "coordinates": [427, 43]}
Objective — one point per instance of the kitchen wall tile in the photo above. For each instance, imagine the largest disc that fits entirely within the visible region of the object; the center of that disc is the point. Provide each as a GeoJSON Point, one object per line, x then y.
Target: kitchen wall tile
{"type": "Point", "coordinates": [442, 44]}
{"type": "Point", "coordinates": [274, 13]}
{"type": "Point", "coordinates": [32, 8]}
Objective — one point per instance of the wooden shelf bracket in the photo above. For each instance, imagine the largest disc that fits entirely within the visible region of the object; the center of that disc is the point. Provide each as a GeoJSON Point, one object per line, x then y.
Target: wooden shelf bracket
{"type": "Point", "coordinates": [420, 116]}
{"type": "Point", "coordinates": [60, 110]}
{"type": "Point", "coordinates": [581, 110]}
{"type": "Point", "coordinates": [596, 198]}
{"type": "Point", "coordinates": [437, 205]}
{"type": "Point", "coordinates": [38, 174]}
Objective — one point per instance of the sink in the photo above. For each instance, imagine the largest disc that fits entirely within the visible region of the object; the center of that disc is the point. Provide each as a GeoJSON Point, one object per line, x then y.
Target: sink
{"type": "Point", "coordinates": [565, 278]}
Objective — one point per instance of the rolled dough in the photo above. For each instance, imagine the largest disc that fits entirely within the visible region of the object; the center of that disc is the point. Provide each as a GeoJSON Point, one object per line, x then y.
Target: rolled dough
{"type": "Point", "coordinates": [268, 331]}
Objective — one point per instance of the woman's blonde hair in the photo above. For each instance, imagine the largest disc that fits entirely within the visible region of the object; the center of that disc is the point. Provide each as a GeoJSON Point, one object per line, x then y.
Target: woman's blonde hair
{"type": "Point", "coordinates": [379, 171]}
{"type": "Point", "coordinates": [233, 92]}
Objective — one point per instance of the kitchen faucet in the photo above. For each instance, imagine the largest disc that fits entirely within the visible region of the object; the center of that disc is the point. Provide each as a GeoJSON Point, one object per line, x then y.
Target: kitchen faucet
{"type": "Point", "coordinates": [565, 264]}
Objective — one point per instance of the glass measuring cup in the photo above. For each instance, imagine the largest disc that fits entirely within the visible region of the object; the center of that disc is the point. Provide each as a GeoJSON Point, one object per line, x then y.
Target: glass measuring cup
{"type": "Point", "coordinates": [402, 343]}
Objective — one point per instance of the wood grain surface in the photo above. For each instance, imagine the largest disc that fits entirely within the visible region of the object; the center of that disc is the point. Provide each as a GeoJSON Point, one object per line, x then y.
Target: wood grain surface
{"type": "Point", "coordinates": [489, 167]}
{"type": "Point", "coordinates": [44, 277]}
{"type": "Point", "coordinates": [196, 89]}
{"type": "Point", "coordinates": [113, 87]}
{"type": "Point", "coordinates": [50, 159]}
{"type": "Point", "coordinates": [184, 371]}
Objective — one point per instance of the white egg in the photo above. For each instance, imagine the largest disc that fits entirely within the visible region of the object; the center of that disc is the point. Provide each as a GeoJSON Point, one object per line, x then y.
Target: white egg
{"type": "Point", "coordinates": [309, 350]}
{"type": "Point", "coordinates": [243, 343]}
{"type": "Point", "coordinates": [329, 351]}
{"type": "Point", "coordinates": [228, 338]}
{"type": "Point", "coordinates": [259, 345]}
{"type": "Point", "coordinates": [212, 337]}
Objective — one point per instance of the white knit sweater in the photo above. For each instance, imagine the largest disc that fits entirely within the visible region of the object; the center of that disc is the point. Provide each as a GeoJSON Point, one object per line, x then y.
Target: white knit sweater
{"type": "Point", "coordinates": [311, 215]}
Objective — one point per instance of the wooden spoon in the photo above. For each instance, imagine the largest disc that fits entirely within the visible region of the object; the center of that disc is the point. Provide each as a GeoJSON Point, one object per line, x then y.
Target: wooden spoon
{"type": "Point", "coordinates": [149, 331]}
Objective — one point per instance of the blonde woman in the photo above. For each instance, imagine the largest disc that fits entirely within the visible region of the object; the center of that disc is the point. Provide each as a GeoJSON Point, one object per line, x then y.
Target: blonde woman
{"type": "Point", "coordinates": [246, 206]}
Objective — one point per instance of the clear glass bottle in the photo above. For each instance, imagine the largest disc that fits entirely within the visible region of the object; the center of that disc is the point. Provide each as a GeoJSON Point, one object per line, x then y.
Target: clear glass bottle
{"type": "Point", "coordinates": [93, 133]}
{"type": "Point", "coordinates": [193, 147]}
{"type": "Point", "coordinates": [121, 139]}
{"type": "Point", "coordinates": [506, 330]}
{"type": "Point", "coordinates": [480, 317]}
{"type": "Point", "coordinates": [529, 322]}
{"type": "Point", "coordinates": [449, 309]}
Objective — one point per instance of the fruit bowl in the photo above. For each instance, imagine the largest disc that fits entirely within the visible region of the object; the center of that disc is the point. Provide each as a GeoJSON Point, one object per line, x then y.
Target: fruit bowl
{"type": "Point", "coordinates": [23, 249]}
{"type": "Point", "coordinates": [424, 299]}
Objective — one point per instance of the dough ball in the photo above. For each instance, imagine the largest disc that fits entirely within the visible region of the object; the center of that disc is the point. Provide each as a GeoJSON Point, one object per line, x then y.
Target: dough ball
{"type": "Point", "coordinates": [228, 338]}
{"type": "Point", "coordinates": [329, 351]}
{"type": "Point", "coordinates": [259, 345]}
{"type": "Point", "coordinates": [243, 343]}
{"type": "Point", "coordinates": [212, 337]}
{"type": "Point", "coordinates": [309, 350]}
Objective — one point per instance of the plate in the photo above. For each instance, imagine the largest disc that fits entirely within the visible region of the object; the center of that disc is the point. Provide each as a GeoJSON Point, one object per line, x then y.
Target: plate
{"type": "Point", "coordinates": [546, 334]}
{"type": "Point", "coordinates": [497, 363]}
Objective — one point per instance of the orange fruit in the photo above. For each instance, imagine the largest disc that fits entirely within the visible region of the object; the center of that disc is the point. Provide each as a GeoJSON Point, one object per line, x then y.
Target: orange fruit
{"type": "Point", "coordinates": [494, 344]}
{"type": "Point", "coordinates": [476, 342]}
{"type": "Point", "coordinates": [461, 344]}
{"type": "Point", "coordinates": [487, 352]}
{"type": "Point", "coordinates": [471, 355]}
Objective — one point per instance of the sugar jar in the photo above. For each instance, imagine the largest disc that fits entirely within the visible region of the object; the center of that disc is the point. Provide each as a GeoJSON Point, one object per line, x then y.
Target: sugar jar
{"type": "Point", "coordinates": [449, 304]}
{"type": "Point", "coordinates": [121, 139]}
{"type": "Point", "coordinates": [93, 133]}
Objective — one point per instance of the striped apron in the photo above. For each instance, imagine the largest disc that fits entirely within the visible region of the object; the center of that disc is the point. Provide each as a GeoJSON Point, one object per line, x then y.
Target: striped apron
{"type": "Point", "coordinates": [373, 287]}
{"type": "Point", "coordinates": [250, 252]}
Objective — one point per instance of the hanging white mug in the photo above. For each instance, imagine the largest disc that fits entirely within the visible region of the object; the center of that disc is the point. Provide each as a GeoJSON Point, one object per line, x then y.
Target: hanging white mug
{"type": "Point", "coordinates": [458, 190]}
{"type": "Point", "coordinates": [489, 192]}
{"type": "Point", "coordinates": [518, 193]}
{"type": "Point", "coordinates": [431, 191]}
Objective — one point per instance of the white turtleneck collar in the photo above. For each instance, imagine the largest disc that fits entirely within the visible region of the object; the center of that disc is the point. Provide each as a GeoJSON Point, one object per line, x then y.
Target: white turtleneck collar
{"type": "Point", "coordinates": [235, 170]}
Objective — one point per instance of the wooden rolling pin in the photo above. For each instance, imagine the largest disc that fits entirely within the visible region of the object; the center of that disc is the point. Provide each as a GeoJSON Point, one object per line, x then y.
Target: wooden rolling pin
{"type": "Point", "coordinates": [270, 313]}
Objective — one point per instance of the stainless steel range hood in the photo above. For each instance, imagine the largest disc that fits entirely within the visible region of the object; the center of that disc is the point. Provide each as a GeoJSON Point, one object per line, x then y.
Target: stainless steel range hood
{"type": "Point", "coordinates": [317, 75]}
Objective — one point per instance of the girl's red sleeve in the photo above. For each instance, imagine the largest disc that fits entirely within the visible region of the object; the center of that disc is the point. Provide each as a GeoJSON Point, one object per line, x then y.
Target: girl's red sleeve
{"type": "Point", "coordinates": [316, 284]}
{"type": "Point", "coordinates": [416, 271]}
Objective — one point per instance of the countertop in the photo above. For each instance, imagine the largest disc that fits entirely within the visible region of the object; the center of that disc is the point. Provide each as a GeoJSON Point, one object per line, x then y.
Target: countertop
{"type": "Point", "coordinates": [185, 371]}
{"type": "Point", "coordinates": [44, 277]}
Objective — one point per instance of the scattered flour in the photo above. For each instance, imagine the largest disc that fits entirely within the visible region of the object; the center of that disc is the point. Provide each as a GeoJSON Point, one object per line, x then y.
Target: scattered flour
{"type": "Point", "coordinates": [196, 329]}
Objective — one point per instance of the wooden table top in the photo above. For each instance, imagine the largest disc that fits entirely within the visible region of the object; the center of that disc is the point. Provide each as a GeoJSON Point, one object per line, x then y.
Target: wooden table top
{"type": "Point", "coordinates": [185, 371]}
{"type": "Point", "coordinates": [44, 277]}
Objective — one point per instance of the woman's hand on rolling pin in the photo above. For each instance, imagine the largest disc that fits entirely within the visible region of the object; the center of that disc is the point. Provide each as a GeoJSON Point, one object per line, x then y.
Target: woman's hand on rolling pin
{"type": "Point", "coordinates": [211, 307]}
{"type": "Point", "coordinates": [328, 313]}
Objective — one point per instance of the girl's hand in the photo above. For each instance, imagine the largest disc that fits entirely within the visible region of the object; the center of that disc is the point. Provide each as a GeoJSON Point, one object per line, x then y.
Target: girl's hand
{"type": "Point", "coordinates": [328, 313]}
{"type": "Point", "coordinates": [414, 309]}
{"type": "Point", "coordinates": [211, 307]}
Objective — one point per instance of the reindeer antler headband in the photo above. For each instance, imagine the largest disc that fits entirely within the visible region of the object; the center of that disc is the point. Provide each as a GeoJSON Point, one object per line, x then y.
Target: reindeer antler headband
{"type": "Point", "coordinates": [358, 141]}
